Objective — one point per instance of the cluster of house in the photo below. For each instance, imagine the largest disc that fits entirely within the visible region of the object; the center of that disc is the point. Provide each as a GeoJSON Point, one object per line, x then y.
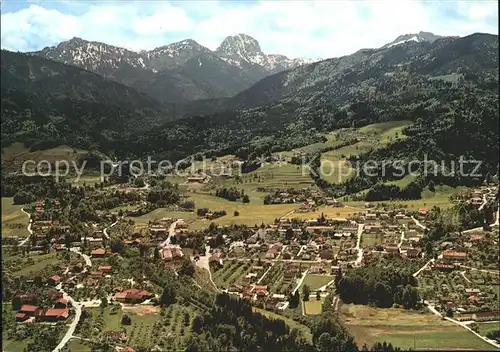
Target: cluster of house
{"type": "Point", "coordinates": [260, 295]}
{"type": "Point", "coordinates": [474, 301]}
{"type": "Point", "coordinates": [33, 313]}
{"type": "Point", "coordinates": [40, 208]}
{"type": "Point", "coordinates": [479, 196]}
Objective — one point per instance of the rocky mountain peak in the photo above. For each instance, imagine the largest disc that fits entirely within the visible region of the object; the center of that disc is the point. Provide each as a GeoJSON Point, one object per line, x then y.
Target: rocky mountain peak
{"type": "Point", "coordinates": [239, 44]}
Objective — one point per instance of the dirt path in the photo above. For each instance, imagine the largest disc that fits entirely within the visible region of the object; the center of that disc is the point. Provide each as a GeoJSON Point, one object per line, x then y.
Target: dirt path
{"type": "Point", "coordinates": [105, 231]}
{"type": "Point", "coordinates": [481, 270]}
{"type": "Point", "coordinates": [204, 264]}
{"type": "Point", "coordinates": [171, 232]}
{"type": "Point", "coordinates": [422, 268]}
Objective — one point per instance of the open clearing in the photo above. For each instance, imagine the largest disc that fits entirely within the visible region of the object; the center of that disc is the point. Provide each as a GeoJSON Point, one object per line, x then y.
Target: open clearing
{"type": "Point", "coordinates": [406, 329]}
{"type": "Point", "coordinates": [159, 214]}
{"type": "Point", "coordinates": [316, 281]}
{"type": "Point", "coordinates": [14, 221]}
{"type": "Point", "coordinates": [313, 306]}
{"type": "Point", "coordinates": [328, 212]}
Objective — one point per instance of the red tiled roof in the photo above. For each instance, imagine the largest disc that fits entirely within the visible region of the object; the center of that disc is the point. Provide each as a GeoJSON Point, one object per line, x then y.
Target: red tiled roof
{"type": "Point", "coordinates": [56, 312]}
{"type": "Point", "coordinates": [56, 278]}
{"type": "Point", "coordinates": [120, 295]}
{"type": "Point", "coordinates": [28, 308]}
{"type": "Point", "coordinates": [105, 267]}
{"type": "Point", "coordinates": [62, 300]}
{"type": "Point", "coordinates": [20, 315]}
{"type": "Point", "coordinates": [98, 252]}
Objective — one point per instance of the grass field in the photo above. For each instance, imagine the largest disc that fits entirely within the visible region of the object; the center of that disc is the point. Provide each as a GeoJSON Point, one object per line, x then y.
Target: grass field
{"type": "Point", "coordinates": [313, 306]}
{"type": "Point", "coordinates": [14, 221]}
{"type": "Point", "coordinates": [407, 329]}
{"type": "Point", "coordinates": [41, 261]}
{"type": "Point", "coordinates": [306, 332]}
{"type": "Point", "coordinates": [276, 175]}
{"type": "Point", "coordinates": [316, 281]}
{"type": "Point", "coordinates": [328, 212]}
{"type": "Point", "coordinates": [249, 214]}
{"type": "Point", "coordinates": [87, 180]}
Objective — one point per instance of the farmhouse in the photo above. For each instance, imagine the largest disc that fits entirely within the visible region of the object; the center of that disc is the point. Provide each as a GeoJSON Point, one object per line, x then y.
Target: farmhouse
{"type": "Point", "coordinates": [98, 253]}
{"type": "Point", "coordinates": [454, 256]}
{"type": "Point", "coordinates": [133, 295]}
{"type": "Point", "coordinates": [52, 314]}
{"type": "Point", "coordinates": [486, 316]}
{"type": "Point", "coordinates": [29, 310]}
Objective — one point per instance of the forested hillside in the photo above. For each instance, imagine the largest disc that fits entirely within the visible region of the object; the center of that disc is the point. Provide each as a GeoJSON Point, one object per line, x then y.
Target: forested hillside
{"type": "Point", "coordinates": [449, 84]}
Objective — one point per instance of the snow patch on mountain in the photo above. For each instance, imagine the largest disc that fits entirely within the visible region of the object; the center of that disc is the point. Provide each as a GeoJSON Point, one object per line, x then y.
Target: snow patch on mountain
{"type": "Point", "coordinates": [413, 37]}
{"type": "Point", "coordinates": [240, 50]}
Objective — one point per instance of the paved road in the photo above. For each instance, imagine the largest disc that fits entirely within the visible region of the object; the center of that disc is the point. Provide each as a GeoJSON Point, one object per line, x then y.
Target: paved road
{"type": "Point", "coordinates": [401, 239]}
{"type": "Point", "coordinates": [88, 262]}
{"type": "Point", "coordinates": [419, 224]}
{"type": "Point", "coordinates": [359, 258]}
{"type": "Point", "coordinates": [300, 281]}
{"type": "Point", "coordinates": [30, 231]}
{"type": "Point", "coordinates": [481, 270]}
{"type": "Point", "coordinates": [268, 270]}
{"type": "Point", "coordinates": [485, 201]}
{"type": "Point", "coordinates": [74, 323]}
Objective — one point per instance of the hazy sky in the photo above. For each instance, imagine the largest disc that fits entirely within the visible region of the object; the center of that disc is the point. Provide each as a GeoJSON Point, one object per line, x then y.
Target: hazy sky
{"type": "Point", "coordinates": [315, 29]}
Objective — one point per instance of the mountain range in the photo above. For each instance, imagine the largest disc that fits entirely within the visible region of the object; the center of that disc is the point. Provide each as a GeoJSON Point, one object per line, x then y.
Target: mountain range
{"type": "Point", "coordinates": [178, 72]}
{"type": "Point", "coordinates": [49, 102]}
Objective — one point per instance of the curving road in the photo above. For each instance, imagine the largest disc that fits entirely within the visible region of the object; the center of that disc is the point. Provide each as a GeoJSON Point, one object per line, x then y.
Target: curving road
{"type": "Point", "coordinates": [171, 232]}
{"type": "Point", "coordinates": [74, 323]}
{"type": "Point", "coordinates": [85, 257]}
{"type": "Point", "coordinates": [105, 231]}
{"type": "Point", "coordinates": [30, 231]}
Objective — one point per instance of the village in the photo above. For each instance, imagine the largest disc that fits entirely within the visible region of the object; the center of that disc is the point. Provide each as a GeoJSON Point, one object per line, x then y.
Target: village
{"type": "Point", "coordinates": [266, 264]}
